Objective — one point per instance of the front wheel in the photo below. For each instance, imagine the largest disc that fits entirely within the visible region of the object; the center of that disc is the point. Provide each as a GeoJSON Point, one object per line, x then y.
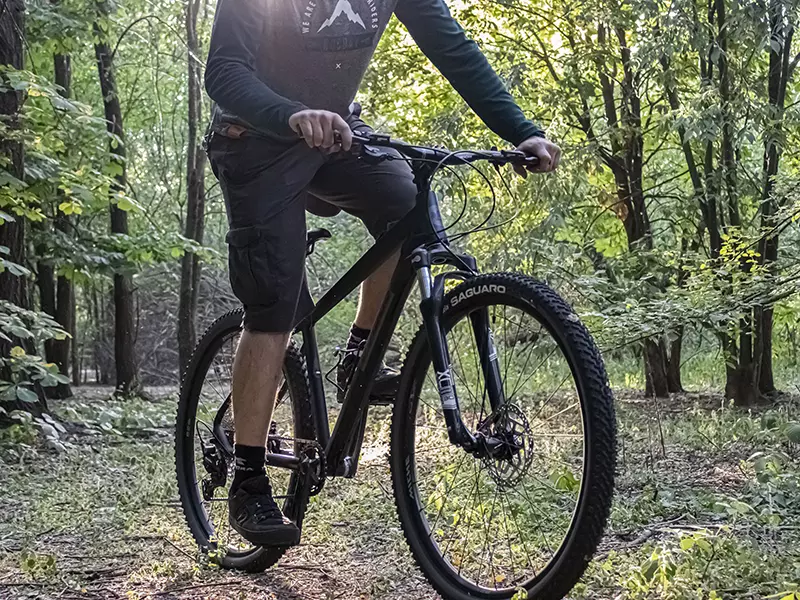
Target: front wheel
{"type": "Point", "coordinates": [531, 517]}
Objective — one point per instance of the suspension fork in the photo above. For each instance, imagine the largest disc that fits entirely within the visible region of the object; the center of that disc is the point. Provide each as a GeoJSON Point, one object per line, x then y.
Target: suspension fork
{"type": "Point", "coordinates": [487, 352]}
{"type": "Point", "coordinates": [432, 293]}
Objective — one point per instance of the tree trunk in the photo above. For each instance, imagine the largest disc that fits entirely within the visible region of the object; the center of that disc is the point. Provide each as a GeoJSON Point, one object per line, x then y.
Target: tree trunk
{"type": "Point", "coordinates": [127, 380]}
{"type": "Point", "coordinates": [195, 195]}
{"type": "Point", "coordinates": [64, 309]}
{"type": "Point", "coordinates": [629, 175]}
{"type": "Point", "coordinates": [45, 280]}
{"type": "Point", "coordinates": [656, 381]}
{"type": "Point", "coordinates": [55, 294]}
{"type": "Point", "coordinates": [14, 289]}
{"type": "Point", "coordinates": [75, 355]}
{"type": "Point", "coordinates": [674, 383]}
{"type": "Point", "coordinates": [745, 383]}
{"type": "Point", "coordinates": [782, 32]}
{"type": "Point", "coordinates": [12, 233]}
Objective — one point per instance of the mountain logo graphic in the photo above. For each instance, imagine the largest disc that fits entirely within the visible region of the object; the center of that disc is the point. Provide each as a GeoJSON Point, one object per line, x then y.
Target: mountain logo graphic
{"type": "Point", "coordinates": [343, 7]}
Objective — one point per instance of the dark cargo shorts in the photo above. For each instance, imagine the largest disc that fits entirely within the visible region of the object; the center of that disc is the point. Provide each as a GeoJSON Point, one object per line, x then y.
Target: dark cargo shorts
{"type": "Point", "coordinates": [267, 185]}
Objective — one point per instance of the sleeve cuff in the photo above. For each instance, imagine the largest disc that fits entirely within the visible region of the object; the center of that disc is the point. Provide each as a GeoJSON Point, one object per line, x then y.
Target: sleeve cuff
{"type": "Point", "coordinates": [528, 130]}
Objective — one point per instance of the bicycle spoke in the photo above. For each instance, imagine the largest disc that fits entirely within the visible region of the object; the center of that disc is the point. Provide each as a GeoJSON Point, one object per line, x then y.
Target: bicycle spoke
{"type": "Point", "coordinates": [521, 537]}
{"type": "Point", "coordinates": [546, 402]}
{"type": "Point", "coordinates": [446, 495]}
{"type": "Point", "coordinates": [469, 527]}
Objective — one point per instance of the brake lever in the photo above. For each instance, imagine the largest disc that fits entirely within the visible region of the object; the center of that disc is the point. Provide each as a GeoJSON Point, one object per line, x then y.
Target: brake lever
{"type": "Point", "coordinates": [361, 149]}
{"type": "Point", "coordinates": [372, 156]}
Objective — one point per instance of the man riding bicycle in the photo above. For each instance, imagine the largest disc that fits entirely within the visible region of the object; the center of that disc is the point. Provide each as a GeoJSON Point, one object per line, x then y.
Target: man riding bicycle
{"type": "Point", "coordinates": [278, 71]}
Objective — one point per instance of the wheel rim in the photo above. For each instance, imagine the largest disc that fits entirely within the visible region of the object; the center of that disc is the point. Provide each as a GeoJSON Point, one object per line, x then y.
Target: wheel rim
{"type": "Point", "coordinates": [497, 525]}
{"type": "Point", "coordinates": [209, 414]}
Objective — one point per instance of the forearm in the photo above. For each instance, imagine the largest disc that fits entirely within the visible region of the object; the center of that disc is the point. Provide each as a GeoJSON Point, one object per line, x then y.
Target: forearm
{"type": "Point", "coordinates": [231, 80]}
{"type": "Point", "coordinates": [237, 90]}
{"type": "Point", "coordinates": [466, 68]}
{"type": "Point", "coordinates": [461, 61]}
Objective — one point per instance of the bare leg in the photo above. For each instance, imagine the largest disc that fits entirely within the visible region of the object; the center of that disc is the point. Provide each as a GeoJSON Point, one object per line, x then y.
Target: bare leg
{"type": "Point", "coordinates": [373, 291]}
{"type": "Point", "coordinates": [256, 374]}
{"type": "Point", "coordinates": [252, 510]}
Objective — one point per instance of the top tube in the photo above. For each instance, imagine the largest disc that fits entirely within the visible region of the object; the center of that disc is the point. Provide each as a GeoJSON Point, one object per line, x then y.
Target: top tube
{"type": "Point", "coordinates": [371, 142]}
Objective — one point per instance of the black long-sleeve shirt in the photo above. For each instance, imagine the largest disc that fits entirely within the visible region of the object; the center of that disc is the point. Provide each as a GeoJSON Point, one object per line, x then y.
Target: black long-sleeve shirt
{"type": "Point", "coordinates": [271, 58]}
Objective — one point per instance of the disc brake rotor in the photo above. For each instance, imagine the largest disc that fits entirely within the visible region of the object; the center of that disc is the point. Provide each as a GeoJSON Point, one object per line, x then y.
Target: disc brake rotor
{"type": "Point", "coordinates": [512, 437]}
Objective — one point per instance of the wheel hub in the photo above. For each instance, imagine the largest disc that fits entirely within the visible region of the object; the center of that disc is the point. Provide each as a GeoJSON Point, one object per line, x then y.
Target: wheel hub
{"type": "Point", "coordinates": [507, 445]}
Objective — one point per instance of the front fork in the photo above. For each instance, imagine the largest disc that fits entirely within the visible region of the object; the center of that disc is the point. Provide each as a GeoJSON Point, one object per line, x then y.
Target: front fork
{"type": "Point", "coordinates": [432, 296]}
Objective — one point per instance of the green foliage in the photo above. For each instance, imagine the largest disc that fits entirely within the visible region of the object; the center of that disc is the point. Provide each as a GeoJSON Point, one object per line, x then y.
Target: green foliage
{"type": "Point", "coordinates": [23, 371]}
{"type": "Point", "coordinates": [38, 566]}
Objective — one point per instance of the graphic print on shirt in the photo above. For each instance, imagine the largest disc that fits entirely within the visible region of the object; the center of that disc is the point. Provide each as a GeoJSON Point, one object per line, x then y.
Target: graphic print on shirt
{"type": "Point", "coordinates": [340, 25]}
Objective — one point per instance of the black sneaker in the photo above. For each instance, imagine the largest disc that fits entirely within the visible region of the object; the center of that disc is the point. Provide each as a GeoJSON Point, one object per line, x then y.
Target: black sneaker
{"type": "Point", "coordinates": [386, 383]}
{"type": "Point", "coordinates": [252, 512]}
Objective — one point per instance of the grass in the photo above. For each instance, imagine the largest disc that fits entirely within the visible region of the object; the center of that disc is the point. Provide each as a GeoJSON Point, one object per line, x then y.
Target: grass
{"type": "Point", "coordinates": [707, 507]}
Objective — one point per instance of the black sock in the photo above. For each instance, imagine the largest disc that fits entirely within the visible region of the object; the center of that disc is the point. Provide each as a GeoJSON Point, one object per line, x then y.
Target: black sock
{"type": "Point", "coordinates": [357, 336]}
{"type": "Point", "coordinates": [249, 463]}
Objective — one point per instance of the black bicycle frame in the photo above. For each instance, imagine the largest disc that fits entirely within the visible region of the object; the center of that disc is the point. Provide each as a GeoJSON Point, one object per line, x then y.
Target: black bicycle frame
{"type": "Point", "coordinates": [419, 235]}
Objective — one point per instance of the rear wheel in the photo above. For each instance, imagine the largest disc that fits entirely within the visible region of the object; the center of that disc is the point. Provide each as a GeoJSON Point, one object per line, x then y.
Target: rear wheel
{"type": "Point", "coordinates": [204, 445]}
{"type": "Point", "coordinates": [529, 518]}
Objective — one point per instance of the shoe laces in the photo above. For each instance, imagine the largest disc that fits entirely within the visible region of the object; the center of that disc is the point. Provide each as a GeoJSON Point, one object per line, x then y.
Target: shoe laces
{"type": "Point", "coordinates": [265, 509]}
{"type": "Point", "coordinates": [262, 505]}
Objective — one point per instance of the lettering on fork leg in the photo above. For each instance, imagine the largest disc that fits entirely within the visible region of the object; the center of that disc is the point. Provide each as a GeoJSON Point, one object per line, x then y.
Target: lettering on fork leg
{"type": "Point", "coordinates": [444, 381]}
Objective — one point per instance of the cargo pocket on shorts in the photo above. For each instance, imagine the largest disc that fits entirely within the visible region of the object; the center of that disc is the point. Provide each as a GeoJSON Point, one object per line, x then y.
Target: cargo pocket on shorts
{"type": "Point", "coordinates": [248, 265]}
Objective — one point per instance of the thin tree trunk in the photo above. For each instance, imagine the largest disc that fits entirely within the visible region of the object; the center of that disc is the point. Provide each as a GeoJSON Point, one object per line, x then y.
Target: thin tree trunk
{"type": "Point", "coordinates": [628, 173]}
{"type": "Point", "coordinates": [127, 380]}
{"type": "Point", "coordinates": [656, 381]}
{"type": "Point", "coordinates": [75, 354]}
{"type": "Point", "coordinates": [14, 289]}
{"type": "Point", "coordinates": [45, 280]}
{"type": "Point", "coordinates": [60, 349]}
{"type": "Point", "coordinates": [741, 384]}
{"type": "Point", "coordinates": [782, 32]}
{"type": "Point", "coordinates": [674, 382]}
{"type": "Point", "coordinates": [195, 195]}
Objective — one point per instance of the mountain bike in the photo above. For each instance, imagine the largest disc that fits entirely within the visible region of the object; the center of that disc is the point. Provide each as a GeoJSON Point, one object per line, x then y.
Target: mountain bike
{"type": "Point", "coordinates": [503, 433]}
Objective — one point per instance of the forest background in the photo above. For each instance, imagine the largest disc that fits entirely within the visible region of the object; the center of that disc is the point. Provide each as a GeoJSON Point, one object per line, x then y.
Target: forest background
{"type": "Point", "coordinates": [671, 225]}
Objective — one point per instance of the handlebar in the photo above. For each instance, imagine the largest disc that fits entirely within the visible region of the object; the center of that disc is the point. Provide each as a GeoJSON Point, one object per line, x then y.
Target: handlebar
{"type": "Point", "coordinates": [368, 147]}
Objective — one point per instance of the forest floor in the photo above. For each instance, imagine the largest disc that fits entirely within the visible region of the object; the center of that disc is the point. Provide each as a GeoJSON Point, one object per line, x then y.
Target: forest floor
{"type": "Point", "coordinates": [707, 507]}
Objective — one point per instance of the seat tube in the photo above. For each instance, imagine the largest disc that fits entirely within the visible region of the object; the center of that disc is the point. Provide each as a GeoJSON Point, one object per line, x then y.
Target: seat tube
{"type": "Point", "coordinates": [318, 407]}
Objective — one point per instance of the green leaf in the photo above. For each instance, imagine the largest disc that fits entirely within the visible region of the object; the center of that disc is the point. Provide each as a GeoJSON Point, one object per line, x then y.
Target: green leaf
{"type": "Point", "coordinates": [793, 432]}
{"type": "Point", "coordinates": [26, 395]}
{"type": "Point", "coordinates": [704, 545]}
{"type": "Point", "coordinates": [114, 169]}
{"type": "Point", "coordinates": [649, 569]}
{"type": "Point", "coordinates": [19, 331]}
{"type": "Point", "coordinates": [15, 269]}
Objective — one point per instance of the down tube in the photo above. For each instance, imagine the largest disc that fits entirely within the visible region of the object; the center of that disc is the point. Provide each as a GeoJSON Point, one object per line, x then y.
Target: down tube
{"type": "Point", "coordinates": [356, 402]}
